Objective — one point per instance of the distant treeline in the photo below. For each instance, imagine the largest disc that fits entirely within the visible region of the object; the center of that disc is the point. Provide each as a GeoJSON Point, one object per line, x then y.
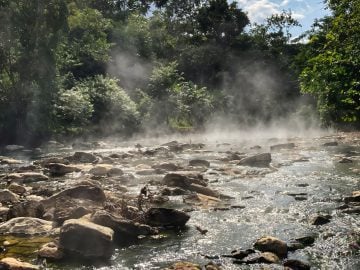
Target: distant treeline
{"type": "Point", "coordinates": [71, 68]}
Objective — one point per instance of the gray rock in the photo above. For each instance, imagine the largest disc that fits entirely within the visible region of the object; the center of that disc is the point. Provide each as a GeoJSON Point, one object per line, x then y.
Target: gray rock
{"type": "Point", "coordinates": [259, 160]}
{"type": "Point", "coordinates": [199, 162]}
{"type": "Point", "coordinates": [26, 226]}
{"type": "Point", "coordinates": [58, 169]}
{"type": "Point", "coordinates": [26, 177]}
{"type": "Point", "coordinates": [83, 157]}
{"type": "Point", "coordinates": [26, 209]}
{"type": "Point", "coordinates": [164, 217]}
{"type": "Point", "coordinates": [166, 166]}
{"type": "Point", "coordinates": [86, 239]}
{"type": "Point", "coordinates": [320, 219]}
{"type": "Point", "coordinates": [183, 179]}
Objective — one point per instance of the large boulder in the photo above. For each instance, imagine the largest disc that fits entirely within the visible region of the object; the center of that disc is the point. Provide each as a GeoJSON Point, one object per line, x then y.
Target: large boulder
{"type": "Point", "coordinates": [26, 177]}
{"type": "Point", "coordinates": [259, 160]}
{"type": "Point", "coordinates": [87, 192]}
{"type": "Point", "coordinates": [58, 169]}
{"type": "Point", "coordinates": [124, 229]}
{"type": "Point", "coordinates": [14, 264]}
{"type": "Point", "coordinates": [183, 179]}
{"type": "Point", "coordinates": [165, 217]}
{"type": "Point", "coordinates": [26, 226]}
{"type": "Point", "coordinates": [272, 244]}
{"type": "Point", "coordinates": [88, 240]}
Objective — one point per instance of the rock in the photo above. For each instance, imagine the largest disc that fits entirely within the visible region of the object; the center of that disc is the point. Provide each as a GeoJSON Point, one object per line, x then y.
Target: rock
{"type": "Point", "coordinates": [56, 160]}
{"type": "Point", "coordinates": [202, 200]}
{"type": "Point", "coordinates": [6, 196]}
{"type": "Point", "coordinates": [83, 157]}
{"type": "Point", "coordinates": [124, 229]}
{"type": "Point", "coordinates": [296, 265]}
{"type": "Point", "coordinates": [87, 192]}
{"type": "Point", "coordinates": [345, 160]}
{"type": "Point", "coordinates": [203, 190]}
{"type": "Point", "coordinates": [4, 213]}
{"type": "Point", "coordinates": [271, 244]}
{"type": "Point", "coordinates": [282, 146]}
{"type": "Point", "coordinates": [331, 144]}
{"type": "Point", "coordinates": [354, 198]}
{"type": "Point", "coordinates": [320, 220]}
{"type": "Point", "coordinates": [58, 169]}
{"type": "Point", "coordinates": [69, 209]}
{"type": "Point", "coordinates": [199, 162]}
{"type": "Point", "coordinates": [164, 217]}
{"type": "Point", "coordinates": [240, 254]}
{"type": "Point", "coordinates": [13, 148]}
{"type": "Point", "coordinates": [300, 243]}
{"type": "Point", "coordinates": [9, 161]}
{"type": "Point", "coordinates": [26, 226]}
{"type": "Point", "coordinates": [147, 172]}
{"type": "Point", "coordinates": [26, 177]}
{"type": "Point", "coordinates": [86, 239]}
{"type": "Point", "coordinates": [184, 266]}
{"type": "Point", "coordinates": [99, 170]}
{"type": "Point", "coordinates": [14, 264]}
{"type": "Point", "coordinates": [213, 266]}
{"type": "Point", "coordinates": [115, 172]}
{"type": "Point", "coordinates": [26, 209]}
{"type": "Point", "coordinates": [166, 166]}
{"type": "Point", "coordinates": [173, 191]}
{"type": "Point", "coordinates": [183, 179]}
{"type": "Point", "coordinates": [259, 160]}
{"type": "Point", "coordinates": [265, 257]}
{"type": "Point", "coordinates": [17, 189]}
{"type": "Point", "coordinates": [352, 210]}
{"type": "Point", "coordinates": [51, 251]}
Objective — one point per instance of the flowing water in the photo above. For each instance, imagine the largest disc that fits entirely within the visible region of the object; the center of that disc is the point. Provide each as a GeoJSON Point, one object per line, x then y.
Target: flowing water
{"type": "Point", "coordinates": [279, 201]}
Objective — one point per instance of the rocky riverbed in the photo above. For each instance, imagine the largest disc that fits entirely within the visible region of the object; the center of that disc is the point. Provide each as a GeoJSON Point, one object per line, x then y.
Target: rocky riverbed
{"type": "Point", "coordinates": [190, 203]}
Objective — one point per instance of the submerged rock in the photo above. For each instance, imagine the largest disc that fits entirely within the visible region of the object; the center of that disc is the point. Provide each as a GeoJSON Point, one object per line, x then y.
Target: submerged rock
{"type": "Point", "coordinates": [282, 146]}
{"type": "Point", "coordinates": [259, 160]}
{"type": "Point", "coordinates": [86, 239]}
{"type": "Point", "coordinates": [26, 226]}
{"type": "Point", "coordinates": [14, 264]}
{"type": "Point", "coordinates": [165, 217]}
{"type": "Point", "coordinates": [271, 244]}
{"type": "Point", "coordinates": [199, 162]}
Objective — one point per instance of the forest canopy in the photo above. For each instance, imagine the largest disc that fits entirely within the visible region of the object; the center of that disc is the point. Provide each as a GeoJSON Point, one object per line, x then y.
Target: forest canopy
{"type": "Point", "coordinates": [75, 67]}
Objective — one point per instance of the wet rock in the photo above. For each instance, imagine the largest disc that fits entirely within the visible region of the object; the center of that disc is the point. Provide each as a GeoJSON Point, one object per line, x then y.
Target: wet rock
{"type": "Point", "coordinates": [26, 177]}
{"type": "Point", "coordinates": [184, 266]}
{"type": "Point", "coordinates": [83, 157]}
{"type": "Point", "coordinates": [164, 217]}
{"type": "Point", "coordinates": [4, 213]}
{"type": "Point", "coordinates": [183, 179]}
{"type": "Point", "coordinates": [173, 191]}
{"type": "Point", "coordinates": [345, 160]}
{"type": "Point", "coordinates": [14, 264]}
{"type": "Point", "coordinates": [50, 251]}
{"type": "Point", "coordinates": [87, 192]}
{"type": "Point", "coordinates": [320, 220]}
{"type": "Point", "coordinates": [331, 144]}
{"type": "Point", "coordinates": [147, 172]}
{"type": "Point", "coordinates": [265, 257]}
{"type": "Point", "coordinates": [86, 239]}
{"type": "Point", "coordinates": [271, 244]}
{"type": "Point", "coordinates": [202, 200]}
{"type": "Point", "coordinates": [355, 197]}
{"type": "Point", "coordinates": [201, 230]}
{"type": "Point", "coordinates": [46, 161]}
{"type": "Point", "coordinates": [240, 253]}
{"type": "Point", "coordinates": [6, 196]}
{"type": "Point", "coordinates": [300, 242]}
{"type": "Point", "coordinates": [58, 169]}
{"type": "Point", "coordinates": [13, 148]}
{"type": "Point", "coordinates": [26, 209]}
{"type": "Point", "coordinates": [9, 161]}
{"type": "Point", "coordinates": [259, 160]}
{"type": "Point", "coordinates": [26, 226]}
{"type": "Point", "coordinates": [115, 172]}
{"type": "Point", "coordinates": [203, 190]}
{"type": "Point", "coordinates": [166, 166]}
{"type": "Point", "coordinates": [69, 209]}
{"type": "Point", "coordinates": [199, 163]}
{"type": "Point", "coordinates": [17, 189]}
{"type": "Point", "coordinates": [100, 170]}
{"type": "Point", "coordinates": [296, 265]}
{"type": "Point", "coordinates": [282, 146]}
{"type": "Point", "coordinates": [352, 210]}
{"type": "Point", "coordinates": [123, 229]}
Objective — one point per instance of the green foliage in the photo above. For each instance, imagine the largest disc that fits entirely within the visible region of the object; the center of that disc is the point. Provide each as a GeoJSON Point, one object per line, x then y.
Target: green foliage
{"type": "Point", "coordinates": [333, 70]}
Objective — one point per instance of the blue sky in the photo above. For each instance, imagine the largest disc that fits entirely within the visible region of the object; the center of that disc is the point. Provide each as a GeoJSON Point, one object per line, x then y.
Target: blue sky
{"type": "Point", "coordinates": [305, 11]}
